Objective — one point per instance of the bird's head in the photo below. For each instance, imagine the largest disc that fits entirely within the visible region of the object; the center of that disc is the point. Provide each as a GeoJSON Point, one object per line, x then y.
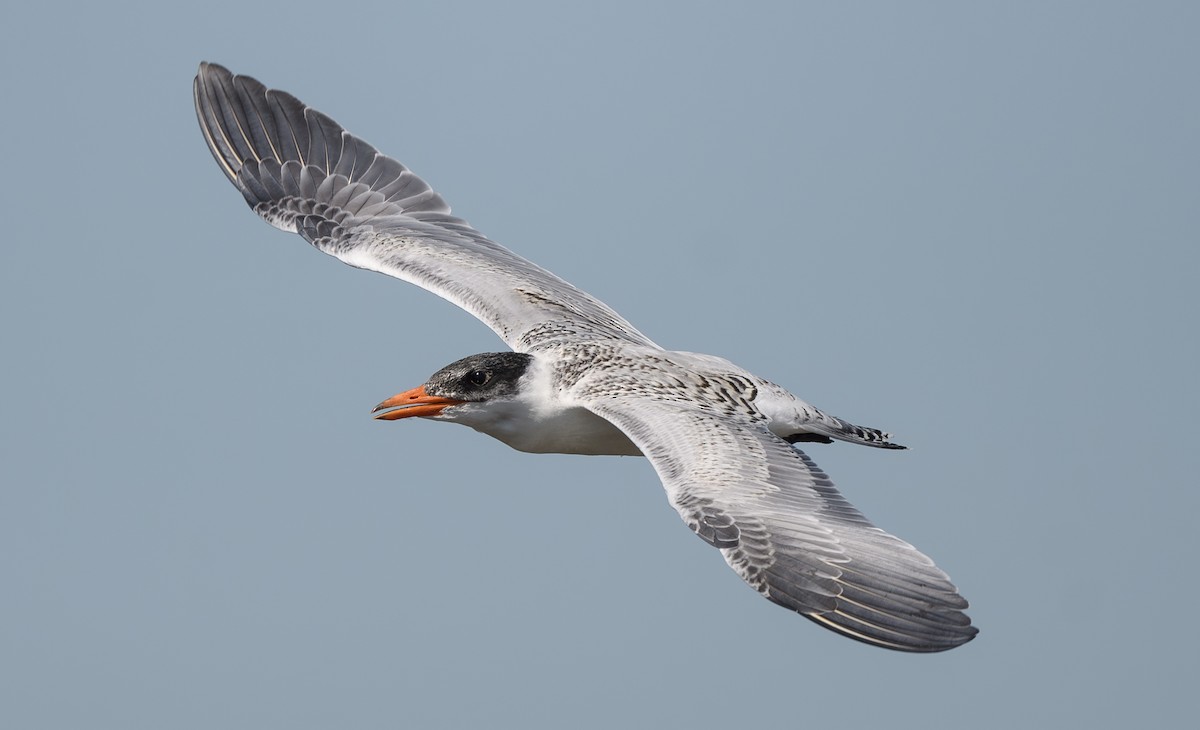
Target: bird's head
{"type": "Point", "coordinates": [490, 376]}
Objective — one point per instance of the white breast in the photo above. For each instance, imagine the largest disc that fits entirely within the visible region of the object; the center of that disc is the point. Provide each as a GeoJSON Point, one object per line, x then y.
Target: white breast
{"type": "Point", "coordinates": [542, 428]}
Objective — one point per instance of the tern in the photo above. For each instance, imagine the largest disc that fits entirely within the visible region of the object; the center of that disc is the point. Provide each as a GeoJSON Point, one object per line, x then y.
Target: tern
{"type": "Point", "coordinates": [580, 379]}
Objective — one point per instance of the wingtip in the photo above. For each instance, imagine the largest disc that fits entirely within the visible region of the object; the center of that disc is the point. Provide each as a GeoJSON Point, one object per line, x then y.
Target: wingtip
{"type": "Point", "coordinates": [205, 95]}
{"type": "Point", "coordinates": [927, 643]}
{"type": "Point", "coordinates": [215, 67]}
{"type": "Point", "coordinates": [207, 69]}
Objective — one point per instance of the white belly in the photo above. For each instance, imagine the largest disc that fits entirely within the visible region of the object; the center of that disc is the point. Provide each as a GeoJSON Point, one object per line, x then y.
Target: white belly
{"type": "Point", "coordinates": [561, 431]}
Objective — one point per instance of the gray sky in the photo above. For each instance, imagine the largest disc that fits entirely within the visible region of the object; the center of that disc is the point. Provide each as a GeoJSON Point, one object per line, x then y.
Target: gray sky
{"type": "Point", "coordinates": [973, 225]}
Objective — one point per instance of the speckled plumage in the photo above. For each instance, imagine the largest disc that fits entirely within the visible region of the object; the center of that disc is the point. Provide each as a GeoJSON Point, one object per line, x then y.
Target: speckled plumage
{"type": "Point", "coordinates": [584, 380]}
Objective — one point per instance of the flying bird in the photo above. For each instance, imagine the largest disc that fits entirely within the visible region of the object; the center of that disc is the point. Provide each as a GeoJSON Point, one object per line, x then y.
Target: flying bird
{"type": "Point", "coordinates": [580, 379]}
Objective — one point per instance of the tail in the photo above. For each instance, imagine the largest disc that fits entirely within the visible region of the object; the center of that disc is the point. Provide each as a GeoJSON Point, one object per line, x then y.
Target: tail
{"type": "Point", "coordinates": [824, 428]}
{"type": "Point", "coordinates": [295, 165]}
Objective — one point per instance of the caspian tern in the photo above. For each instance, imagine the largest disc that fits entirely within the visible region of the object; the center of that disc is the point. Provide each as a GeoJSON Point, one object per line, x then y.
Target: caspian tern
{"type": "Point", "coordinates": [582, 380]}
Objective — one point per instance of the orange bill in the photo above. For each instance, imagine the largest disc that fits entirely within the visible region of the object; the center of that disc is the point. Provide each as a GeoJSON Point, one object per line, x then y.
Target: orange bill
{"type": "Point", "coordinates": [415, 402]}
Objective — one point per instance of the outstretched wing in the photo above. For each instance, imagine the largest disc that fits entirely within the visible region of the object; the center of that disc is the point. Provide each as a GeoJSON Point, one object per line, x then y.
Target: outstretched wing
{"type": "Point", "coordinates": [785, 529]}
{"type": "Point", "coordinates": [303, 173]}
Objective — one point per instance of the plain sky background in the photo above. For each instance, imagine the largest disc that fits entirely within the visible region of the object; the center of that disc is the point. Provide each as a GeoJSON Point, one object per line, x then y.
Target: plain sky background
{"type": "Point", "coordinates": [972, 224]}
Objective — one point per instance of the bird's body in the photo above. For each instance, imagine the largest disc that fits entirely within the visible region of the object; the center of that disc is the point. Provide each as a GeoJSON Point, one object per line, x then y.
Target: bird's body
{"type": "Point", "coordinates": [582, 380]}
{"type": "Point", "coordinates": [548, 413]}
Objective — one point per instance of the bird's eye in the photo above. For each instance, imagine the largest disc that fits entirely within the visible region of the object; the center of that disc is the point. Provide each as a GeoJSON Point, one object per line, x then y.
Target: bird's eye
{"type": "Point", "coordinates": [479, 377]}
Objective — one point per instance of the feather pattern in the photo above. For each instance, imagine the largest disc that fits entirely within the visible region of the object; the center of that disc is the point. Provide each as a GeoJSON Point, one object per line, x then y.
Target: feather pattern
{"type": "Point", "coordinates": [780, 522]}
{"type": "Point", "coordinates": [303, 173]}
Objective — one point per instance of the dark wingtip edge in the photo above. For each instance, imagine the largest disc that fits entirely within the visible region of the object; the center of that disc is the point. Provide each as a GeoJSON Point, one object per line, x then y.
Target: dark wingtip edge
{"type": "Point", "coordinates": [945, 642]}
{"type": "Point", "coordinates": [204, 89]}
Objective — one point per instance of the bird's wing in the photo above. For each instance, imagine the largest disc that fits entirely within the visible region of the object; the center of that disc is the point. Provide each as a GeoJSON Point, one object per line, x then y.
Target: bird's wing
{"type": "Point", "coordinates": [303, 173]}
{"type": "Point", "coordinates": [785, 529]}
